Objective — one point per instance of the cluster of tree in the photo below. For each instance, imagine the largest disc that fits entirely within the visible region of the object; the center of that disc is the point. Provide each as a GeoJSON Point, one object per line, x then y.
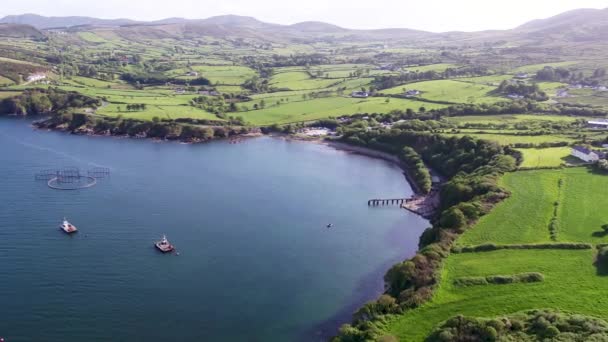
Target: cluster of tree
{"type": "Point", "coordinates": [161, 129]}
{"type": "Point", "coordinates": [136, 106]}
{"type": "Point", "coordinates": [14, 71]}
{"type": "Point", "coordinates": [564, 75]}
{"type": "Point", "coordinates": [161, 79]}
{"type": "Point", "coordinates": [389, 81]}
{"type": "Point", "coordinates": [534, 325]}
{"type": "Point", "coordinates": [529, 91]}
{"type": "Point", "coordinates": [291, 60]}
{"type": "Point", "coordinates": [41, 101]}
{"type": "Point", "coordinates": [215, 104]}
{"type": "Point", "coordinates": [416, 169]}
{"type": "Point", "coordinates": [474, 167]}
{"type": "Point", "coordinates": [257, 84]}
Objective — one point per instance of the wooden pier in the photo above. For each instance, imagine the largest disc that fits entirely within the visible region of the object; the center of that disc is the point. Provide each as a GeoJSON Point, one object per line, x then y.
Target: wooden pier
{"type": "Point", "coordinates": [387, 201]}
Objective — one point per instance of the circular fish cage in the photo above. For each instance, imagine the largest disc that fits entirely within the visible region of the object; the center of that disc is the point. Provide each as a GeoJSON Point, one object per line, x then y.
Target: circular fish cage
{"type": "Point", "coordinates": [71, 178]}
{"type": "Point", "coordinates": [73, 183]}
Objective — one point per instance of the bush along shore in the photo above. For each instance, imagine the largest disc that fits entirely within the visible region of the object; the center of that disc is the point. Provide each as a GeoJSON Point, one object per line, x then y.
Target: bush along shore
{"type": "Point", "coordinates": [189, 131]}
{"type": "Point", "coordinates": [61, 107]}
{"type": "Point", "coordinates": [473, 168]}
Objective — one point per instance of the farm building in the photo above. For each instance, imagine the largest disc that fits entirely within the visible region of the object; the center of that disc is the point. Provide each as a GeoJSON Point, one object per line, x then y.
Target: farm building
{"type": "Point", "coordinates": [359, 94]}
{"type": "Point", "coordinates": [597, 123]}
{"type": "Point", "coordinates": [522, 75]}
{"type": "Point", "coordinates": [36, 77]}
{"type": "Point", "coordinates": [180, 91]}
{"type": "Point", "coordinates": [412, 92]}
{"type": "Point", "coordinates": [192, 73]}
{"type": "Point", "coordinates": [586, 154]}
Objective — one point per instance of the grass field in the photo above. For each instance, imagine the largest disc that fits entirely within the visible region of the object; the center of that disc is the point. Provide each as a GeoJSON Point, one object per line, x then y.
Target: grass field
{"type": "Point", "coordinates": [450, 91]}
{"type": "Point", "coordinates": [300, 80]}
{"type": "Point", "coordinates": [532, 196]}
{"type": "Point", "coordinates": [583, 208]}
{"type": "Point", "coordinates": [160, 111]}
{"type": "Point", "coordinates": [571, 284]}
{"type": "Point", "coordinates": [580, 216]}
{"type": "Point", "coordinates": [325, 107]}
{"type": "Point", "coordinates": [217, 74]}
{"type": "Point", "coordinates": [544, 157]}
{"type": "Point", "coordinates": [532, 68]}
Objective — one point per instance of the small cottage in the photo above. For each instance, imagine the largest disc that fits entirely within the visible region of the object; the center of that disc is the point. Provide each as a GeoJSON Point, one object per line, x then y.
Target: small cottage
{"type": "Point", "coordinates": [586, 154]}
{"type": "Point", "coordinates": [359, 94]}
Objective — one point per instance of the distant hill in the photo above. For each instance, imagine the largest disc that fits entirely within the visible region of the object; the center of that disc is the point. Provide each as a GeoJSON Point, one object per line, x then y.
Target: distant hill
{"type": "Point", "coordinates": [20, 31]}
{"type": "Point", "coordinates": [589, 25]}
{"type": "Point", "coordinates": [42, 22]}
{"type": "Point", "coordinates": [317, 26]}
{"type": "Point", "coordinates": [581, 24]}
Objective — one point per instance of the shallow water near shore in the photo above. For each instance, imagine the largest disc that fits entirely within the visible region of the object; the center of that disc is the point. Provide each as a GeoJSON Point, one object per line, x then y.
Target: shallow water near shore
{"type": "Point", "coordinates": [256, 261]}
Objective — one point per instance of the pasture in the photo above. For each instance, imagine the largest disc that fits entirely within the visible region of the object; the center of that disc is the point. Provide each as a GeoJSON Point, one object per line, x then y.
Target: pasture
{"type": "Point", "coordinates": [571, 284]}
{"type": "Point", "coordinates": [544, 157]}
{"type": "Point", "coordinates": [449, 91]}
{"type": "Point", "coordinates": [300, 80]}
{"type": "Point", "coordinates": [325, 107]}
{"type": "Point", "coordinates": [580, 211]}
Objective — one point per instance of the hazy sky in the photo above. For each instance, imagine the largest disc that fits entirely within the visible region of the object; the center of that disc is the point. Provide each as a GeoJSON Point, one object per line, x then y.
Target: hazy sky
{"type": "Point", "coordinates": [430, 15]}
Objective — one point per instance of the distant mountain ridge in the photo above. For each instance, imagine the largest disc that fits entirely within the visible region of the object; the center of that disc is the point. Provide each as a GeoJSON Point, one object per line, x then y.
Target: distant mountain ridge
{"type": "Point", "coordinates": [575, 25]}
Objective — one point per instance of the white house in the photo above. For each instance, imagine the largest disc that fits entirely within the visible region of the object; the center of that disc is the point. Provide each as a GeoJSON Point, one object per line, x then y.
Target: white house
{"type": "Point", "coordinates": [586, 154]}
{"type": "Point", "coordinates": [192, 73]}
{"type": "Point", "coordinates": [597, 123]}
{"type": "Point", "coordinates": [359, 94]}
{"type": "Point", "coordinates": [36, 77]}
{"type": "Point", "coordinates": [412, 92]}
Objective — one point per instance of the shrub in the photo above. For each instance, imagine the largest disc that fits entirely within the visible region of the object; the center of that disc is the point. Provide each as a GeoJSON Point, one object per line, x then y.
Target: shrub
{"type": "Point", "coordinates": [534, 325]}
{"type": "Point", "coordinates": [500, 279]}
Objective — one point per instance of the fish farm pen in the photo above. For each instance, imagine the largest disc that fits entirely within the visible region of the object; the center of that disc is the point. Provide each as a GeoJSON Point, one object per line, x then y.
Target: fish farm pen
{"type": "Point", "coordinates": [71, 178]}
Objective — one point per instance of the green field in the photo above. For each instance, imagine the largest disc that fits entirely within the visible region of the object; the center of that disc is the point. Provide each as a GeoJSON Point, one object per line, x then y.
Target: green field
{"type": "Point", "coordinates": [325, 107]}
{"type": "Point", "coordinates": [160, 111]}
{"type": "Point", "coordinates": [544, 157]}
{"type": "Point", "coordinates": [300, 80]}
{"type": "Point", "coordinates": [533, 194]}
{"type": "Point", "coordinates": [217, 74]}
{"type": "Point", "coordinates": [450, 91]}
{"type": "Point", "coordinates": [532, 68]}
{"type": "Point", "coordinates": [583, 206]}
{"type": "Point", "coordinates": [571, 280]}
{"type": "Point", "coordinates": [571, 284]}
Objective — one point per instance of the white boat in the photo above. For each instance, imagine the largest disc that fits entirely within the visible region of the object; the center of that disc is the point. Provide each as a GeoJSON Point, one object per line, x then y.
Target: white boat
{"type": "Point", "coordinates": [163, 245]}
{"type": "Point", "coordinates": [68, 227]}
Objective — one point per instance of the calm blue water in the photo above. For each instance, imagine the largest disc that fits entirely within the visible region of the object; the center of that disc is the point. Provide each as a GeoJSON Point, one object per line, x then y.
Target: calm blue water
{"type": "Point", "coordinates": [256, 262]}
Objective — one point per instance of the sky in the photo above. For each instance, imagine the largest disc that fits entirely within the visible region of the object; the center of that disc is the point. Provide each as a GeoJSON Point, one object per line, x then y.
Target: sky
{"type": "Point", "coordinates": [428, 15]}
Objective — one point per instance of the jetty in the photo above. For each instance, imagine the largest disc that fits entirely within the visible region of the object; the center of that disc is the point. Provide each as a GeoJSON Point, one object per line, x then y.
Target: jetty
{"type": "Point", "coordinates": [387, 201]}
{"type": "Point", "coordinates": [423, 205]}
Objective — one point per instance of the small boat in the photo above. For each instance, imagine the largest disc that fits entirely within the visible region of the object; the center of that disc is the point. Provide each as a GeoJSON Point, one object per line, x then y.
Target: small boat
{"type": "Point", "coordinates": [163, 245]}
{"type": "Point", "coordinates": [68, 227]}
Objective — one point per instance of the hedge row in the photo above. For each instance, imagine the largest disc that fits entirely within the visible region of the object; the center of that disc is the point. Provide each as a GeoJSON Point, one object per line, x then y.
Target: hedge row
{"type": "Point", "coordinates": [487, 247]}
{"type": "Point", "coordinates": [530, 277]}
